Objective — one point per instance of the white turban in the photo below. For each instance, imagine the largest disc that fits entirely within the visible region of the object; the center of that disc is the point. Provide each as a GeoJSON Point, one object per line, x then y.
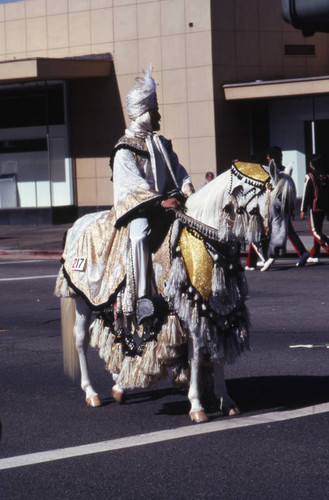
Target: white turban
{"type": "Point", "coordinates": [143, 96]}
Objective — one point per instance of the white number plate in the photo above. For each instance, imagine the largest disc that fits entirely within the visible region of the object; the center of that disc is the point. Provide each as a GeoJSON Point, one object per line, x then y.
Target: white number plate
{"type": "Point", "coordinates": [78, 264]}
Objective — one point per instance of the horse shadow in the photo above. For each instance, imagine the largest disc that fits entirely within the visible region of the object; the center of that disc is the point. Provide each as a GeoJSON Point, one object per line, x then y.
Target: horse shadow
{"type": "Point", "coordinates": [139, 396]}
{"type": "Point", "coordinates": [286, 392]}
{"type": "Point", "coordinates": [252, 395]}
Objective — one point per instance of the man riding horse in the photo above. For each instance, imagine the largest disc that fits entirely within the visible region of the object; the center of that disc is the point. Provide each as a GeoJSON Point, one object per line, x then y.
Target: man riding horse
{"type": "Point", "coordinates": [147, 179]}
{"type": "Point", "coordinates": [184, 309]}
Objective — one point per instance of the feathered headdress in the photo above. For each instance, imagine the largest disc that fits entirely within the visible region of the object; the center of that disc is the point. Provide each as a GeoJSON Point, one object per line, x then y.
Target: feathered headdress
{"type": "Point", "coordinates": [142, 97]}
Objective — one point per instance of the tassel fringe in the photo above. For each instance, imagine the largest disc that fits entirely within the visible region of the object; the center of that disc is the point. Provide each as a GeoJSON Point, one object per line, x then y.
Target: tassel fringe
{"type": "Point", "coordinates": [255, 229]}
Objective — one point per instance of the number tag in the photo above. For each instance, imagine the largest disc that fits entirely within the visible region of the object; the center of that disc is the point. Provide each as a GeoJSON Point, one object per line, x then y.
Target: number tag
{"type": "Point", "coordinates": [78, 264]}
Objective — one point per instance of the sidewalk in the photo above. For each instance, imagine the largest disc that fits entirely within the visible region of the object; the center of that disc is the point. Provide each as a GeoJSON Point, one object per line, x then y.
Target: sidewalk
{"type": "Point", "coordinates": [47, 240]}
{"type": "Point", "coordinates": [32, 240]}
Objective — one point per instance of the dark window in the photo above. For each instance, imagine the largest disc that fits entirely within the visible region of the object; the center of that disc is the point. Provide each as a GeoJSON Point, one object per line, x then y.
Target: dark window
{"type": "Point", "coordinates": [260, 131]}
{"type": "Point", "coordinates": [31, 107]}
{"type": "Point", "coordinates": [299, 50]}
{"type": "Point", "coordinates": [23, 145]}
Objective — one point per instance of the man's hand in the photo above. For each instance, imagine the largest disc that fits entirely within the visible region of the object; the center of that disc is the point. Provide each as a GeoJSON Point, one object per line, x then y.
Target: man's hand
{"type": "Point", "coordinates": [302, 215]}
{"type": "Point", "coordinates": [170, 203]}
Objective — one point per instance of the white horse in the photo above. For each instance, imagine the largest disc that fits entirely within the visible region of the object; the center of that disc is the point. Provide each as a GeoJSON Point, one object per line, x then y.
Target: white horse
{"type": "Point", "coordinates": [205, 292]}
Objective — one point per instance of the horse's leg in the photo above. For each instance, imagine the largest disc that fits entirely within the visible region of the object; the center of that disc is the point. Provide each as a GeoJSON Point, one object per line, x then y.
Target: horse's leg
{"type": "Point", "coordinates": [118, 393]}
{"type": "Point", "coordinates": [197, 413]}
{"type": "Point", "coordinates": [81, 334]}
{"type": "Point", "coordinates": [227, 405]}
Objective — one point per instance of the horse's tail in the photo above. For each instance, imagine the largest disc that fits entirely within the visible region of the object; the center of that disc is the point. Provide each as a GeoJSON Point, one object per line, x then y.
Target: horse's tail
{"type": "Point", "coordinates": [70, 355]}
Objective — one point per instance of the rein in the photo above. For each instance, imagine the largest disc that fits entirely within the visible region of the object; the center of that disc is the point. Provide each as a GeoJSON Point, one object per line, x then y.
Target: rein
{"type": "Point", "coordinates": [206, 231]}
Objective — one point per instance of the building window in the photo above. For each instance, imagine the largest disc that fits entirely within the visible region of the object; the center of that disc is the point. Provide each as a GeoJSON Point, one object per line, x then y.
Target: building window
{"type": "Point", "coordinates": [299, 50]}
{"type": "Point", "coordinates": [35, 165]}
{"type": "Point", "coordinates": [28, 107]}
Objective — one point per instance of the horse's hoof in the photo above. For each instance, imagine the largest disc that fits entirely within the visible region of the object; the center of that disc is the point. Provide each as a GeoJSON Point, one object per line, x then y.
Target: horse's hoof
{"type": "Point", "coordinates": [231, 411]}
{"type": "Point", "coordinates": [119, 397]}
{"type": "Point", "coordinates": [93, 402]}
{"type": "Point", "coordinates": [198, 416]}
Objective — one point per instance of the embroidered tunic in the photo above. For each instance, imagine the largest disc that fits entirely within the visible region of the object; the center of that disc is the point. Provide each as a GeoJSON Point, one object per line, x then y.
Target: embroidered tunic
{"type": "Point", "coordinates": [145, 171]}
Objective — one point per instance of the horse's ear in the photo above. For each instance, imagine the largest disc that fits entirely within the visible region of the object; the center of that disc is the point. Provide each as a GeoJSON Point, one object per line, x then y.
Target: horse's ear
{"type": "Point", "coordinates": [273, 172]}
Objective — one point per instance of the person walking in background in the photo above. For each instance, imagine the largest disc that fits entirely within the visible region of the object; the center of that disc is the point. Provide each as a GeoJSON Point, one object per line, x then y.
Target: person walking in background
{"type": "Point", "coordinates": [275, 153]}
{"type": "Point", "coordinates": [257, 256]}
{"type": "Point", "coordinates": [316, 199]}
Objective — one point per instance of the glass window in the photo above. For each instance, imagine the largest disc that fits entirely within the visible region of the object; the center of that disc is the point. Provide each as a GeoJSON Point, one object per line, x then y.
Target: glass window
{"type": "Point", "coordinates": [28, 107]}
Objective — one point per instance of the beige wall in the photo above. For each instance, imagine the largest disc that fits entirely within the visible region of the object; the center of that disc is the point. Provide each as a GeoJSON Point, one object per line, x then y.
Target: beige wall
{"type": "Point", "coordinates": [136, 33]}
{"type": "Point", "coordinates": [248, 45]}
{"type": "Point", "coordinates": [195, 46]}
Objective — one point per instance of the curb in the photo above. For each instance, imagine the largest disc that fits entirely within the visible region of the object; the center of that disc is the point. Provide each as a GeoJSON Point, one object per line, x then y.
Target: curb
{"type": "Point", "coordinates": [32, 253]}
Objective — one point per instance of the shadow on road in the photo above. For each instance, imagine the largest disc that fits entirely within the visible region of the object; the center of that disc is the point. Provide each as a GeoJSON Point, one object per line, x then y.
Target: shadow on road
{"type": "Point", "coordinates": [284, 392]}
{"type": "Point", "coordinates": [137, 397]}
{"type": "Point", "coordinates": [252, 394]}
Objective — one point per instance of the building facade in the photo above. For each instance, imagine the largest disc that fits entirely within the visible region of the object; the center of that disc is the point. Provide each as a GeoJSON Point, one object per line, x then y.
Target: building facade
{"type": "Point", "coordinates": [233, 79]}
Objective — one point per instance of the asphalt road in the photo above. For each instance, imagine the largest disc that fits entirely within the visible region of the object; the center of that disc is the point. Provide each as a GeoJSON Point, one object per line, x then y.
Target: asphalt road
{"type": "Point", "coordinates": [271, 451]}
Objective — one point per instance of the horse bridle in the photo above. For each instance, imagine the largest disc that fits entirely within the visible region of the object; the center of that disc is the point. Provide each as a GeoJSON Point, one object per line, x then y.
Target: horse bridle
{"type": "Point", "coordinates": [266, 189]}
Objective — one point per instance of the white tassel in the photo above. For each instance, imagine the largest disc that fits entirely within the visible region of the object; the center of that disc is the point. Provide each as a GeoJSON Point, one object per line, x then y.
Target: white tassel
{"type": "Point", "coordinates": [218, 285]}
{"type": "Point", "coordinates": [124, 379]}
{"type": "Point", "coordinates": [116, 359]}
{"type": "Point", "coordinates": [195, 319]}
{"type": "Point", "coordinates": [175, 233]}
{"type": "Point", "coordinates": [177, 299]}
{"type": "Point", "coordinates": [240, 224]}
{"type": "Point", "coordinates": [172, 334]}
{"type": "Point", "coordinates": [225, 225]}
{"type": "Point", "coordinates": [177, 276]}
{"type": "Point", "coordinates": [178, 336]}
{"type": "Point", "coordinates": [108, 346]}
{"type": "Point", "coordinates": [102, 341]}
{"type": "Point", "coordinates": [141, 380]}
{"type": "Point", "coordinates": [150, 363]}
{"type": "Point", "coordinates": [255, 227]}
{"type": "Point", "coordinates": [183, 311]}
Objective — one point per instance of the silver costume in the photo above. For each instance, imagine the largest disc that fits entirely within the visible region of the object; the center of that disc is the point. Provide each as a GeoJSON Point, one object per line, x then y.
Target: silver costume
{"type": "Point", "coordinates": [145, 171]}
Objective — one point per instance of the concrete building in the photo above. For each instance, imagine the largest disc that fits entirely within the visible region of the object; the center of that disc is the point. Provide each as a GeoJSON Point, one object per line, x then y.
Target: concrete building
{"type": "Point", "coordinates": [233, 78]}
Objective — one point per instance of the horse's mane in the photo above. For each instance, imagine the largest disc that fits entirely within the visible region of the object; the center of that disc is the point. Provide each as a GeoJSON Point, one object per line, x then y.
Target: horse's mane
{"type": "Point", "coordinates": [206, 203]}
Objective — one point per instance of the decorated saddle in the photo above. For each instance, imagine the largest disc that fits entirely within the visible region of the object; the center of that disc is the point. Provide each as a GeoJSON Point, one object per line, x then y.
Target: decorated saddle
{"type": "Point", "coordinates": [201, 290]}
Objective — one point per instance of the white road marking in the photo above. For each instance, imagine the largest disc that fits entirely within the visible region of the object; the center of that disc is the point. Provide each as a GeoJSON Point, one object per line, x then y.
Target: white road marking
{"type": "Point", "coordinates": [157, 437]}
{"type": "Point", "coordinates": [29, 278]}
{"type": "Point", "coordinates": [309, 346]}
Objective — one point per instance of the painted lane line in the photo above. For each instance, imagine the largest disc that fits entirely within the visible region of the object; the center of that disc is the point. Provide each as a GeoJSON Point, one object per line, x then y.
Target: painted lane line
{"type": "Point", "coordinates": [29, 278]}
{"type": "Point", "coordinates": [157, 437]}
{"type": "Point", "coordinates": [309, 346]}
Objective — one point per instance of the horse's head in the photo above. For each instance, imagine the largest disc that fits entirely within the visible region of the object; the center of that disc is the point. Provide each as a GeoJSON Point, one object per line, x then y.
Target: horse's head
{"type": "Point", "coordinates": [244, 201]}
{"type": "Point", "coordinates": [281, 206]}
